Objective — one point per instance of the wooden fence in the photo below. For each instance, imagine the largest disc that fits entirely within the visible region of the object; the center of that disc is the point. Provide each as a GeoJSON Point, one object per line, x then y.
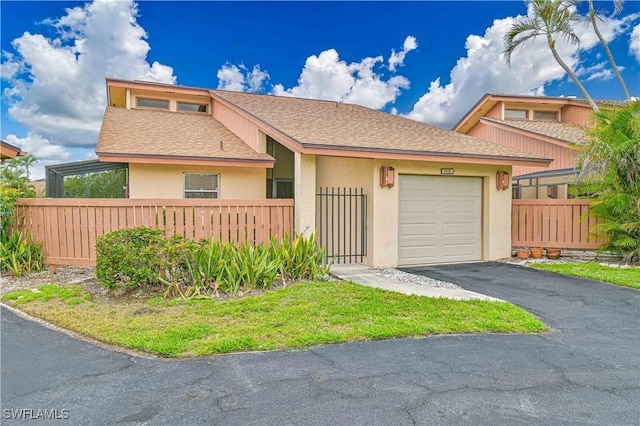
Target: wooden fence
{"type": "Point", "coordinates": [564, 224]}
{"type": "Point", "coordinates": [69, 227]}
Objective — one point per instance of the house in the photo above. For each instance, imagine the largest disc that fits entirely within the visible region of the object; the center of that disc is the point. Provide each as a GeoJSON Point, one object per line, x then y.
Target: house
{"type": "Point", "coordinates": [8, 151]}
{"type": "Point", "coordinates": [429, 195]}
{"type": "Point", "coordinates": [542, 125]}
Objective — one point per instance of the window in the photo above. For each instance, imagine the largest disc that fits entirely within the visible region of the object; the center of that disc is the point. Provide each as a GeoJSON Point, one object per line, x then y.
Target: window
{"type": "Point", "coordinates": [153, 103]}
{"type": "Point", "coordinates": [516, 113]}
{"type": "Point", "coordinates": [198, 185]}
{"type": "Point", "coordinates": [545, 115]}
{"type": "Point", "coordinates": [186, 106]}
{"type": "Point", "coordinates": [283, 188]}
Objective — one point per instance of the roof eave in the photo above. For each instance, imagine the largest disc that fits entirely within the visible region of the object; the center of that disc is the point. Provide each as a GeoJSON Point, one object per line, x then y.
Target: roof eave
{"type": "Point", "coordinates": [185, 160]}
{"type": "Point", "coordinates": [382, 153]}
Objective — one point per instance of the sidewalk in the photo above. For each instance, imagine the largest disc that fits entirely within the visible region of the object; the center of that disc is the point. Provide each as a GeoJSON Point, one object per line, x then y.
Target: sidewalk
{"type": "Point", "coordinates": [367, 276]}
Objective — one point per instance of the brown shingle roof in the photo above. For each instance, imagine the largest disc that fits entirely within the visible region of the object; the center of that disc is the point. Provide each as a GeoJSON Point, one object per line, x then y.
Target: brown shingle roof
{"type": "Point", "coordinates": [171, 134]}
{"type": "Point", "coordinates": [327, 124]}
{"type": "Point", "coordinates": [562, 131]}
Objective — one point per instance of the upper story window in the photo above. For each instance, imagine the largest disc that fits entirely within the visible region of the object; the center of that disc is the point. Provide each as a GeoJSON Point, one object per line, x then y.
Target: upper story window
{"type": "Point", "coordinates": [198, 185]}
{"type": "Point", "coordinates": [187, 106]}
{"type": "Point", "coordinates": [516, 113]}
{"type": "Point", "coordinates": [152, 103]}
{"type": "Point", "coordinates": [545, 115]}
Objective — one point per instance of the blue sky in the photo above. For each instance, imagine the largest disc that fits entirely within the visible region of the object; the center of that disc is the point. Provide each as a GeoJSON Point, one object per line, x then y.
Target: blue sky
{"type": "Point", "coordinates": [430, 61]}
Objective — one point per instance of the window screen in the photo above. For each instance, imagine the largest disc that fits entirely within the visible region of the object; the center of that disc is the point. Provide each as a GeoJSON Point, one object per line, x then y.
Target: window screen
{"type": "Point", "coordinates": [186, 106]}
{"type": "Point", "coordinates": [153, 103]}
{"type": "Point", "coordinates": [515, 113]}
{"type": "Point", "coordinates": [197, 185]}
{"type": "Point", "coordinates": [545, 115]}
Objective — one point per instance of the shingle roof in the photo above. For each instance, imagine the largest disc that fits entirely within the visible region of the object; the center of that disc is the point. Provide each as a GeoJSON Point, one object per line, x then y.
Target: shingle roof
{"type": "Point", "coordinates": [562, 131]}
{"type": "Point", "coordinates": [168, 134]}
{"type": "Point", "coordinates": [327, 124]}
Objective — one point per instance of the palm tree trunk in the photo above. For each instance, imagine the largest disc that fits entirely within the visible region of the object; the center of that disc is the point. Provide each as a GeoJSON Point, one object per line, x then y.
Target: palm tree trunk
{"type": "Point", "coordinates": [574, 77]}
{"type": "Point", "coordinates": [594, 18]}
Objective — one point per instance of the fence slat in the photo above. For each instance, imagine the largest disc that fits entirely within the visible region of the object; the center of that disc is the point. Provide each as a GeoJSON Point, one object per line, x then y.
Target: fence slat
{"type": "Point", "coordinates": [70, 227]}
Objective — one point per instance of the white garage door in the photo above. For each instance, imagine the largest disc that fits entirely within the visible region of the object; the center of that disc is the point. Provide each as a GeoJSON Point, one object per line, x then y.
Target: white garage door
{"type": "Point", "coordinates": [440, 219]}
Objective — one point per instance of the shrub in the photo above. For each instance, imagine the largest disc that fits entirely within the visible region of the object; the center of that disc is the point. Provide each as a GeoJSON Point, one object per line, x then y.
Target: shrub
{"type": "Point", "coordinates": [130, 258]}
{"type": "Point", "coordinates": [18, 255]}
{"type": "Point", "coordinates": [301, 259]}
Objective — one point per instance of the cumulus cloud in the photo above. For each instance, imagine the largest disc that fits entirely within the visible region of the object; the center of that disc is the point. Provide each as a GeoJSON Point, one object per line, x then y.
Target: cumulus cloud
{"type": "Point", "coordinates": [483, 70]}
{"type": "Point", "coordinates": [55, 85]}
{"type": "Point", "coordinates": [241, 79]}
{"type": "Point", "coordinates": [397, 59]}
{"type": "Point", "coordinates": [326, 76]}
{"type": "Point", "coordinates": [634, 42]}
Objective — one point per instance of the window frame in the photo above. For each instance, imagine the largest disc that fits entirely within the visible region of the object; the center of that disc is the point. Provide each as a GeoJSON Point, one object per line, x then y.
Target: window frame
{"type": "Point", "coordinates": [215, 192]}
{"type": "Point", "coordinates": [555, 113]}
{"type": "Point", "coordinates": [205, 105]}
{"type": "Point", "coordinates": [139, 98]}
{"type": "Point", "coordinates": [526, 114]}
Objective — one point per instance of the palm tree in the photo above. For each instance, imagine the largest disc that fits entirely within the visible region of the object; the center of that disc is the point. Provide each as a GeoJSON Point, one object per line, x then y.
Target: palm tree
{"type": "Point", "coordinates": [551, 19]}
{"type": "Point", "coordinates": [617, 7]}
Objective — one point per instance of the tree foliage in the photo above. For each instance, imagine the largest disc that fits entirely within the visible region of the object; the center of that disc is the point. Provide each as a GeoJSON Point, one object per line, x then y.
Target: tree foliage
{"type": "Point", "coordinates": [107, 184]}
{"type": "Point", "coordinates": [15, 174]}
{"type": "Point", "coordinates": [552, 19]}
{"type": "Point", "coordinates": [609, 161]}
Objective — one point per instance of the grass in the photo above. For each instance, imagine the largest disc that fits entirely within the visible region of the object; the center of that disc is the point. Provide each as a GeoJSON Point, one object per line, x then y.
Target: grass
{"type": "Point", "coordinates": [627, 277]}
{"type": "Point", "coordinates": [302, 315]}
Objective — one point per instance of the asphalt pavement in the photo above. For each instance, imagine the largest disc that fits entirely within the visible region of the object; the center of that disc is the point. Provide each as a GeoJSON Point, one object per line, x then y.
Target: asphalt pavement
{"type": "Point", "coordinates": [585, 371]}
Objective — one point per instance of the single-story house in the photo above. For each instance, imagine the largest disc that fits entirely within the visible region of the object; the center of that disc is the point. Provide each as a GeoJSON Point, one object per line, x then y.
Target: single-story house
{"type": "Point", "coordinates": [432, 195]}
{"type": "Point", "coordinates": [543, 125]}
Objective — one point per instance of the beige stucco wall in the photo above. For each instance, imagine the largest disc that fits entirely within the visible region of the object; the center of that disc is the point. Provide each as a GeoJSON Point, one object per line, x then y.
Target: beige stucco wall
{"type": "Point", "coordinates": [382, 209]}
{"type": "Point", "coordinates": [305, 193]}
{"type": "Point", "coordinates": [166, 181]}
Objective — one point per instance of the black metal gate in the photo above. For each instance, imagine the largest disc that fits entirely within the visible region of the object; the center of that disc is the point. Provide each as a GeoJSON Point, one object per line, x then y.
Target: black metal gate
{"type": "Point", "coordinates": [341, 219]}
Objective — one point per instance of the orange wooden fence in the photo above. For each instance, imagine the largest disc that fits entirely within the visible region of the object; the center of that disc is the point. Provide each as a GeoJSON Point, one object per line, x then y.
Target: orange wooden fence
{"type": "Point", "coordinates": [69, 227]}
{"type": "Point", "coordinates": [564, 224]}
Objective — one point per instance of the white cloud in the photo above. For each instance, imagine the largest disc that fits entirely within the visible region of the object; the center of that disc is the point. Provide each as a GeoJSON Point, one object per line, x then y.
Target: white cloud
{"type": "Point", "coordinates": [41, 148]}
{"type": "Point", "coordinates": [397, 59]}
{"type": "Point", "coordinates": [328, 77]}
{"type": "Point", "coordinates": [240, 79]}
{"type": "Point", "coordinates": [483, 70]}
{"type": "Point", "coordinates": [56, 85]}
{"type": "Point", "coordinates": [634, 42]}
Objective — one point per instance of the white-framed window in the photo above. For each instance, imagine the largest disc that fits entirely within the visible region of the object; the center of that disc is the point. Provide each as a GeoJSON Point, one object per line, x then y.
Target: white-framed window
{"type": "Point", "coordinates": [201, 185]}
{"type": "Point", "coordinates": [152, 103]}
{"type": "Point", "coordinates": [191, 107]}
{"type": "Point", "coordinates": [545, 115]}
{"type": "Point", "coordinates": [516, 113]}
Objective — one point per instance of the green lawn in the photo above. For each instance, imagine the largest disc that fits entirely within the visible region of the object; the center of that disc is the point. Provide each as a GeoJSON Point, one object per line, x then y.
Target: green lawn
{"type": "Point", "coordinates": [301, 315]}
{"type": "Point", "coordinates": [627, 277]}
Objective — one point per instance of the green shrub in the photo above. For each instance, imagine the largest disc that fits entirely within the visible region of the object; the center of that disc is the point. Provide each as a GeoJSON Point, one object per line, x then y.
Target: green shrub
{"type": "Point", "coordinates": [18, 255]}
{"type": "Point", "coordinates": [301, 259]}
{"type": "Point", "coordinates": [130, 258]}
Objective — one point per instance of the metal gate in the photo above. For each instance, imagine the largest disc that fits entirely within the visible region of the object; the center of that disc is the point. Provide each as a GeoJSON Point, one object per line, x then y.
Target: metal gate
{"type": "Point", "coordinates": [341, 218]}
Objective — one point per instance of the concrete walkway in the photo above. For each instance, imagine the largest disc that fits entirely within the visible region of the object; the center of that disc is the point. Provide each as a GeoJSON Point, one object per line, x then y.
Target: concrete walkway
{"type": "Point", "coordinates": [365, 275]}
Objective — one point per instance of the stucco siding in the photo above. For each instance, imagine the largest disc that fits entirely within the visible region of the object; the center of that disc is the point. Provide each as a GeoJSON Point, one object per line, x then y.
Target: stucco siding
{"type": "Point", "coordinates": [167, 181]}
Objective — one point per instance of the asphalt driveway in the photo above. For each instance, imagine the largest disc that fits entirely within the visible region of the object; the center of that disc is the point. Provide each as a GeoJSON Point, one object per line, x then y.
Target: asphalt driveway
{"type": "Point", "coordinates": [586, 371]}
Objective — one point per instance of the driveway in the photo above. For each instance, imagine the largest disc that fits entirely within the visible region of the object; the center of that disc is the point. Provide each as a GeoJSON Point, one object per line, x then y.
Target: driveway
{"type": "Point", "coordinates": [586, 371]}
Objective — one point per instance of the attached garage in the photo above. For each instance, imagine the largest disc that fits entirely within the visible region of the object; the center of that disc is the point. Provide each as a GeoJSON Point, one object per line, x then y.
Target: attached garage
{"type": "Point", "coordinates": [439, 219]}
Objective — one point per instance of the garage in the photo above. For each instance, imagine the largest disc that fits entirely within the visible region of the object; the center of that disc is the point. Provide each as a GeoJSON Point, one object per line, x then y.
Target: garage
{"type": "Point", "coordinates": [439, 219]}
